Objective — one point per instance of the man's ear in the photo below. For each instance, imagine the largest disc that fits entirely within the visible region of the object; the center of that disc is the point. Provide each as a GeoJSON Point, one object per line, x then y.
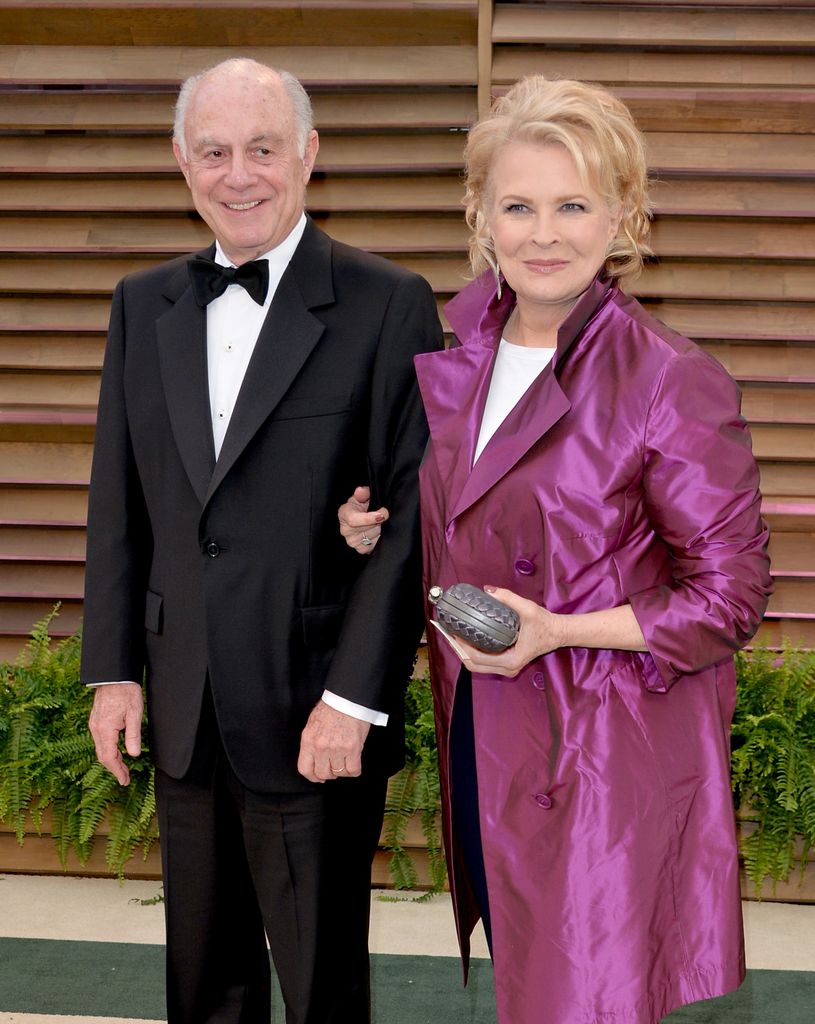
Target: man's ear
{"type": "Point", "coordinates": [310, 154]}
{"type": "Point", "coordinates": [182, 163]}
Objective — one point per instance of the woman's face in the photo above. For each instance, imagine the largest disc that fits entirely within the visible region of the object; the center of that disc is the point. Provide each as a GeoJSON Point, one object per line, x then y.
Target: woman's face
{"type": "Point", "coordinates": [550, 230]}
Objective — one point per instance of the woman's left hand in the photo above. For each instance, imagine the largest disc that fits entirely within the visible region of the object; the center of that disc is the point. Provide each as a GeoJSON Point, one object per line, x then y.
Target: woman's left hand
{"type": "Point", "coordinates": [541, 632]}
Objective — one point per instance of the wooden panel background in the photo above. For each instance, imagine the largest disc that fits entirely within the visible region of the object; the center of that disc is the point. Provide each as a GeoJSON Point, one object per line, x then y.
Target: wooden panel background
{"type": "Point", "coordinates": [725, 92]}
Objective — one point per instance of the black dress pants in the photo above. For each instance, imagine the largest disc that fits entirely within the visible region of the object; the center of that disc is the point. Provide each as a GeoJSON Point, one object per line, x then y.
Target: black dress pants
{"type": "Point", "coordinates": [239, 867]}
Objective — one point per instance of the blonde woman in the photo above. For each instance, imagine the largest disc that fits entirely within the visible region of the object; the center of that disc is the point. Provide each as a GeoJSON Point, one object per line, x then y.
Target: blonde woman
{"type": "Point", "coordinates": [591, 468]}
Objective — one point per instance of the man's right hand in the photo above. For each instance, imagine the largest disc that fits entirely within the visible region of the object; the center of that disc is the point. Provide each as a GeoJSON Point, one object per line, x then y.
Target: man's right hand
{"type": "Point", "coordinates": [360, 527]}
{"type": "Point", "coordinates": [117, 707]}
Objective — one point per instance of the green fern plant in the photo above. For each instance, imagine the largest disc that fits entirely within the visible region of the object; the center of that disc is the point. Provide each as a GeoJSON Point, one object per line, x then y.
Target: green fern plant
{"type": "Point", "coordinates": [415, 791]}
{"type": "Point", "coordinates": [47, 758]}
{"type": "Point", "coordinates": [773, 761]}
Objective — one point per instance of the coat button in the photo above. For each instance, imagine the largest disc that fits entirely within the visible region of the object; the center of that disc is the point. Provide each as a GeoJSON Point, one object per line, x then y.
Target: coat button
{"type": "Point", "coordinates": [543, 800]}
{"type": "Point", "coordinates": [212, 549]}
{"type": "Point", "coordinates": [524, 567]}
{"type": "Point", "coordinates": [539, 681]}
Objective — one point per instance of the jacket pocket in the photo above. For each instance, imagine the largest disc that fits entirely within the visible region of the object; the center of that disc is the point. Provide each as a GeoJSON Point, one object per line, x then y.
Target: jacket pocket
{"type": "Point", "coordinates": [153, 618]}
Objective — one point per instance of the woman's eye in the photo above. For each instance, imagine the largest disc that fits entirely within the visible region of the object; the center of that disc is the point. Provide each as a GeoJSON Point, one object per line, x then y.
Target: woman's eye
{"type": "Point", "coordinates": [516, 208]}
{"type": "Point", "coordinates": [573, 206]}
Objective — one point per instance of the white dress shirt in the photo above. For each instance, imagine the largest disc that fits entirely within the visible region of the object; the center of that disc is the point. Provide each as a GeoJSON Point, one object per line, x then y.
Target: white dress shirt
{"type": "Point", "coordinates": [234, 321]}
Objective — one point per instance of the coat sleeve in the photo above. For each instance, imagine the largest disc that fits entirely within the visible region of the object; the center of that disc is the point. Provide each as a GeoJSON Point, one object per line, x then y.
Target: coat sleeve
{"type": "Point", "coordinates": [119, 538]}
{"type": "Point", "coordinates": [383, 620]}
{"type": "Point", "coordinates": [701, 487]}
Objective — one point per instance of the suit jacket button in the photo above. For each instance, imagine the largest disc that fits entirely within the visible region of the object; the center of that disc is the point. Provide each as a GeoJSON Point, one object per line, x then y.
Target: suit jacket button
{"type": "Point", "coordinates": [524, 567]}
{"type": "Point", "coordinates": [543, 800]}
{"type": "Point", "coordinates": [212, 549]}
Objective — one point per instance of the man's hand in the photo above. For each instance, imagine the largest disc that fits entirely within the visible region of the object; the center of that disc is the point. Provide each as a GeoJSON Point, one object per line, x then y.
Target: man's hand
{"type": "Point", "coordinates": [360, 527]}
{"type": "Point", "coordinates": [331, 745]}
{"type": "Point", "coordinates": [117, 707]}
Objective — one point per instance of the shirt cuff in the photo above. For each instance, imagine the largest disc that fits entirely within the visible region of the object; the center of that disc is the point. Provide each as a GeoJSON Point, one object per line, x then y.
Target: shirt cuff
{"type": "Point", "coordinates": [111, 682]}
{"type": "Point", "coordinates": [348, 707]}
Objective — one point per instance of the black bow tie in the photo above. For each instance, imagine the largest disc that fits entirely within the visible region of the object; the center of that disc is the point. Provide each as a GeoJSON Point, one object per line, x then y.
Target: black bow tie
{"type": "Point", "coordinates": [209, 280]}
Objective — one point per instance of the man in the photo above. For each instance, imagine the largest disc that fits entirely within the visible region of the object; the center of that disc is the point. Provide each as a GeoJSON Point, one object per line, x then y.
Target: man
{"type": "Point", "coordinates": [231, 426]}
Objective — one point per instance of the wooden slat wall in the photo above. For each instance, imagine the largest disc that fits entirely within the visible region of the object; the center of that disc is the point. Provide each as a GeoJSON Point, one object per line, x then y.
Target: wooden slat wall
{"type": "Point", "coordinates": [90, 191]}
{"type": "Point", "coordinates": [725, 92]}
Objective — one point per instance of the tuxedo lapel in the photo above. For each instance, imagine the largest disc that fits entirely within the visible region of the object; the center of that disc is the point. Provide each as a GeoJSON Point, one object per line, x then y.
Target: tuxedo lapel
{"type": "Point", "coordinates": [287, 338]}
{"type": "Point", "coordinates": [182, 350]}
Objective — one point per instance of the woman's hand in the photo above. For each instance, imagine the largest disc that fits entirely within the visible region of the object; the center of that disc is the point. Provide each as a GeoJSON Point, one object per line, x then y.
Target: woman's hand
{"type": "Point", "coordinates": [360, 527]}
{"type": "Point", "coordinates": [541, 632]}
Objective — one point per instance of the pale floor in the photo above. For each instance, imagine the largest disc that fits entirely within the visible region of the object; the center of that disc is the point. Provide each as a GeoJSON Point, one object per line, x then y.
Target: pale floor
{"type": "Point", "coordinates": [779, 936]}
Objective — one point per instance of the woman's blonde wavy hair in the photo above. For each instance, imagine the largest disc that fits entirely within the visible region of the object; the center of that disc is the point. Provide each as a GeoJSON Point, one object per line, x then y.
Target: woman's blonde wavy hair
{"type": "Point", "coordinates": [607, 147]}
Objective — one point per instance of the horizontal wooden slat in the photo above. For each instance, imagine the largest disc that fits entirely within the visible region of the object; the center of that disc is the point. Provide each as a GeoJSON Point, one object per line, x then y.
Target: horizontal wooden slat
{"type": "Point", "coordinates": [446, 232]}
{"type": "Point", "coordinates": [169, 65]}
{"type": "Point", "coordinates": [238, 23]}
{"type": "Point", "coordinates": [97, 154]}
{"type": "Point", "coordinates": [42, 503]}
{"type": "Point", "coordinates": [95, 275]}
{"type": "Point", "coordinates": [721, 197]}
{"type": "Point", "coordinates": [773, 632]}
{"type": "Point", "coordinates": [712, 279]}
{"type": "Point", "coordinates": [723, 110]}
{"type": "Point", "coordinates": [128, 194]}
{"type": "Point", "coordinates": [789, 551]}
{"type": "Point", "coordinates": [183, 234]}
{"type": "Point", "coordinates": [699, 153]}
{"type": "Point", "coordinates": [732, 68]}
{"type": "Point", "coordinates": [51, 352]}
{"type": "Point", "coordinates": [51, 463]}
{"type": "Point", "coordinates": [698, 320]}
{"type": "Point", "coordinates": [787, 478]}
{"type": "Point", "coordinates": [666, 30]}
{"type": "Point", "coordinates": [45, 389]}
{"type": "Point", "coordinates": [43, 540]}
{"type": "Point", "coordinates": [88, 191]}
{"type": "Point", "coordinates": [744, 320]}
{"type": "Point", "coordinates": [134, 112]}
{"type": "Point", "coordinates": [39, 578]}
{"type": "Point", "coordinates": [769, 361]}
{"type": "Point", "coordinates": [654, 108]}
{"type": "Point", "coordinates": [777, 404]}
{"type": "Point", "coordinates": [771, 441]}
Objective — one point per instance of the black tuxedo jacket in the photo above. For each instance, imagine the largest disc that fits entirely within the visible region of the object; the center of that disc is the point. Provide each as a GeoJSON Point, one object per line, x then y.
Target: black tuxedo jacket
{"type": "Point", "coordinates": [235, 569]}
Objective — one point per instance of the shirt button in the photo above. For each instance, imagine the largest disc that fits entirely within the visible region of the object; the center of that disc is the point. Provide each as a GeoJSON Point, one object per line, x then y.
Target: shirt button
{"type": "Point", "coordinates": [524, 567]}
{"type": "Point", "coordinates": [212, 549]}
{"type": "Point", "coordinates": [539, 681]}
{"type": "Point", "coordinates": [543, 800]}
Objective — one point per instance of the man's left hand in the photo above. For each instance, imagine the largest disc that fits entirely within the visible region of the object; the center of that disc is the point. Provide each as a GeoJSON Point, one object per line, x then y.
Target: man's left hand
{"type": "Point", "coordinates": [331, 745]}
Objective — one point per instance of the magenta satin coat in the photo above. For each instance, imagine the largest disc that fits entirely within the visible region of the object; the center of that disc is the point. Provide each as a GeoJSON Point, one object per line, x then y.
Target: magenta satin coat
{"type": "Point", "coordinates": [625, 474]}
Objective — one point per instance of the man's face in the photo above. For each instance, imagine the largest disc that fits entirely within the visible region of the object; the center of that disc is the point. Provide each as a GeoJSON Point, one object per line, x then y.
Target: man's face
{"type": "Point", "coordinates": [243, 165]}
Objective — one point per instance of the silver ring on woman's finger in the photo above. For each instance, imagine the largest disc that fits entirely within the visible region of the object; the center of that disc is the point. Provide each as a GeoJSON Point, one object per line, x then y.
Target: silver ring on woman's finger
{"type": "Point", "coordinates": [338, 771]}
{"type": "Point", "coordinates": [366, 540]}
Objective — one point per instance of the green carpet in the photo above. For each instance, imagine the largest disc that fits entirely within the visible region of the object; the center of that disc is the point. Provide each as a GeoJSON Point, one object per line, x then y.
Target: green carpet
{"type": "Point", "coordinates": [126, 980]}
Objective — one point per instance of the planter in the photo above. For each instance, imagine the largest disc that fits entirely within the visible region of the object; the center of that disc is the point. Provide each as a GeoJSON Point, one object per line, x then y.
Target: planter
{"type": "Point", "coordinates": [799, 887]}
{"type": "Point", "coordinates": [38, 855]}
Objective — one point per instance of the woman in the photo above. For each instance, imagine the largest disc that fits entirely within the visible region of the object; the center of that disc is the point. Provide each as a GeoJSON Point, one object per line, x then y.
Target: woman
{"type": "Point", "coordinates": [590, 467]}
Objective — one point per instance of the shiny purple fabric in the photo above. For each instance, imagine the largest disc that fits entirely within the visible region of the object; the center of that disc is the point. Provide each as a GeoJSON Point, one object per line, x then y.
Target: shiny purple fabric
{"type": "Point", "coordinates": [625, 474]}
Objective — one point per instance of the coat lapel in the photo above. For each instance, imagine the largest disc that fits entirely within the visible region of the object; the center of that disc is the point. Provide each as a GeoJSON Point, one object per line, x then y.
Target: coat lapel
{"type": "Point", "coordinates": [286, 340]}
{"type": "Point", "coordinates": [455, 385]}
{"type": "Point", "coordinates": [182, 349]}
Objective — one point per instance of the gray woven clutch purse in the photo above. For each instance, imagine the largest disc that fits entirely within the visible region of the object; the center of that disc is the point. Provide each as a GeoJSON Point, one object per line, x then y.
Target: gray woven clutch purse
{"type": "Point", "coordinates": [475, 616]}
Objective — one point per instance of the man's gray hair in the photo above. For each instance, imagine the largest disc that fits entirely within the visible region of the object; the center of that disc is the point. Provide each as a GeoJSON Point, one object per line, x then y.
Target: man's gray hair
{"type": "Point", "coordinates": [301, 104]}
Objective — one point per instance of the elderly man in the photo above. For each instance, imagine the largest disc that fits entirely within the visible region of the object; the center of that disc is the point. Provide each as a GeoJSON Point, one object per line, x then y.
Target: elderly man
{"type": "Point", "coordinates": [245, 389]}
